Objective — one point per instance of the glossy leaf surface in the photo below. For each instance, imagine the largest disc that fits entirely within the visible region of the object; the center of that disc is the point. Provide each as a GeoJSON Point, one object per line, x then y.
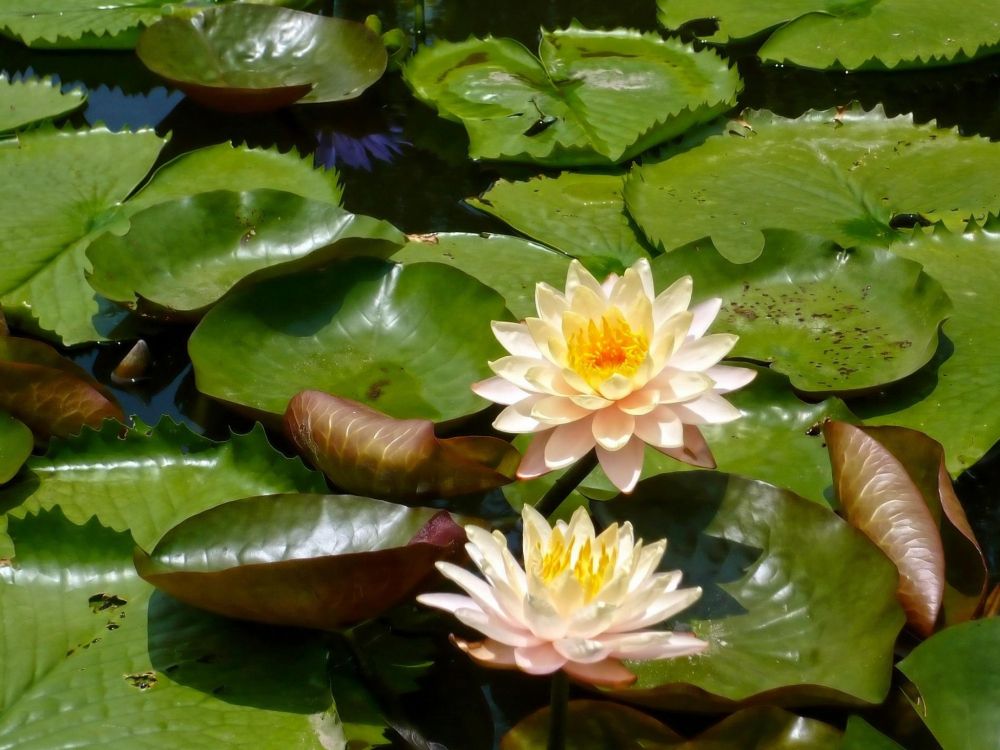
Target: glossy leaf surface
{"type": "Point", "coordinates": [796, 603]}
{"type": "Point", "coordinates": [218, 239]}
{"type": "Point", "coordinates": [508, 265]}
{"type": "Point", "coordinates": [893, 485]}
{"type": "Point", "coordinates": [30, 100]}
{"type": "Point", "coordinates": [317, 561]}
{"type": "Point", "coordinates": [59, 189]}
{"type": "Point", "coordinates": [248, 58]}
{"type": "Point", "coordinates": [16, 442]}
{"type": "Point", "coordinates": [49, 393]}
{"type": "Point", "coordinates": [367, 452]}
{"type": "Point", "coordinates": [954, 399]}
{"type": "Point", "coordinates": [150, 480]}
{"type": "Point", "coordinates": [586, 99]}
{"type": "Point", "coordinates": [581, 214]}
{"type": "Point", "coordinates": [830, 319]}
{"type": "Point", "coordinates": [860, 735]}
{"type": "Point", "coordinates": [957, 673]}
{"type": "Point", "coordinates": [843, 175]}
{"type": "Point", "coordinates": [856, 34]}
{"type": "Point", "coordinates": [407, 340]}
{"type": "Point", "coordinates": [101, 637]}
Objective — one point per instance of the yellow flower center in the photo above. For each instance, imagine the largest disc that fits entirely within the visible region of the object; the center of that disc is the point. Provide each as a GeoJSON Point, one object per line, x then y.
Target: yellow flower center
{"type": "Point", "coordinates": [590, 570]}
{"type": "Point", "coordinates": [606, 347]}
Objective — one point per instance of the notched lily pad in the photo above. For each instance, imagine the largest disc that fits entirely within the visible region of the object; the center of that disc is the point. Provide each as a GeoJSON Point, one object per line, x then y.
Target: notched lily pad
{"type": "Point", "coordinates": [590, 97]}
{"type": "Point", "coordinates": [797, 604]}
{"type": "Point", "coordinates": [255, 58]}
{"type": "Point", "coordinates": [407, 340]}
{"type": "Point", "coordinates": [851, 34]}
{"type": "Point", "coordinates": [219, 239]}
{"type": "Point", "coordinates": [317, 561]}
{"type": "Point", "coordinates": [367, 452]}
{"type": "Point", "coordinates": [843, 174]}
{"type": "Point", "coordinates": [833, 320]}
{"type": "Point", "coordinates": [49, 393]}
{"type": "Point", "coordinates": [27, 100]}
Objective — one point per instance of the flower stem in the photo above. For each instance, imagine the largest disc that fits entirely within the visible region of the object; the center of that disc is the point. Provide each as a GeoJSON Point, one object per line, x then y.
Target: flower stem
{"type": "Point", "coordinates": [566, 484]}
{"type": "Point", "coordinates": [557, 711]}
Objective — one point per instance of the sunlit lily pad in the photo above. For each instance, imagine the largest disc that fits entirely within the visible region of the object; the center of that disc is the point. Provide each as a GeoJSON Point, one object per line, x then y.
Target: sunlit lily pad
{"type": "Point", "coordinates": [954, 399]}
{"type": "Point", "coordinates": [49, 393]}
{"type": "Point", "coordinates": [852, 34]}
{"type": "Point", "coordinates": [581, 214]}
{"type": "Point", "coordinates": [509, 265]}
{"type": "Point", "coordinates": [847, 175]}
{"type": "Point", "coordinates": [16, 442]}
{"type": "Point", "coordinates": [249, 58]}
{"type": "Point", "coordinates": [149, 480]}
{"type": "Point", "coordinates": [367, 452]}
{"type": "Point", "coordinates": [590, 97]}
{"type": "Point", "coordinates": [406, 340]}
{"type": "Point", "coordinates": [30, 100]}
{"type": "Point", "coordinates": [218, 239]}
{"type": "Point", "coordinates": [830, 319]}
{"type": "Point", "coordinates": [80, 630]}
{"type": "Point", "coordinates": [318, 561]}
{"type": "Point", "coordinates": [796, 604]}
{"type": "Point", "coordinates": [59, 189]}
{"type": "Point", "coordinates": [957, 673]}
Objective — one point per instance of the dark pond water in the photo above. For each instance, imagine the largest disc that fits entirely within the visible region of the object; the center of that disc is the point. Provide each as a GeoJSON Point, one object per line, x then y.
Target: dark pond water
{"type": "Point", "coordinates": [399, 161]}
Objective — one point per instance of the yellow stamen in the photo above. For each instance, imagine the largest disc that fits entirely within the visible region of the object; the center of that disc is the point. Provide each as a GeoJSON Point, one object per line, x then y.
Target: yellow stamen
{"type": "Point", "coordinates": [606, 347]}
{"type": "Point", "coordinates": [590, 571]}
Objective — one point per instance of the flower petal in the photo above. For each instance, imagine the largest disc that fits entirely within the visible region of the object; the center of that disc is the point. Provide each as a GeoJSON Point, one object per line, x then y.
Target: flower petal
{"type": "Point", "coordinates": [589, 401]}
{"type": "Point", "coordinates": [730, 378]}
{"type": "Point", "coordinates": [542, 659]}
{"type": "Point", "coordinates": [569, 443]}
{"type": "Point", "coordinates": [613, 428]}
{"type": "Point", "coordinates": [533, 461]}
{"type": "Point", "coordinates": [557, 410]}
{"type": "Point", "coordinates": [664, 606]}
{"type": "Point", "coordinates": [577, 278]}
{"type": "Point", "coordinates": [660, 428]}
{"type": "Point", "coordinates": [609, 673]}
{"type": "Point", "coordinates": [489, 653]}
{"type": "Point", "coordinates": [673, 300]}
{"type": "Point", "coordinates": [515, 338]}
{"type": "Point", "coordinates": [499, 390]}
{"type": "Point", "coordinates": [549, 339]}
{"type": "Point", "coordinates": [582, 650]}
{"type": "Point", "coordinates": [675, 386]}
{"type": "Point", "coordinates": [447, 602]}
{"type": "Point", "coordinates": [495, 629]}
{"type": "Point", "coordinates": [708, 408]}
{"type": "Point", "coordinates": [639, 402]}
{"type": "Point", "coordinates": [700, 354]}
{"type": "Point", "coordinates": [550, 304]}
{"type": "Point", "coordinates": [624, 466]}
{"type": "Point", "coordinates": [616, 387]}
{"type": "Point", "coordinates": [653, 644]}
{"type": "Point", "coordinates": [517, 418]}
{"type": "Point", "coordinates": [704, 314]}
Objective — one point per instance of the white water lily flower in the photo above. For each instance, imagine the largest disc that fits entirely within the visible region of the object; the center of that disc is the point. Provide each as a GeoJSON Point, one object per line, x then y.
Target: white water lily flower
{"type": "Point", "coordinates": [613, 366]}
{"type": "Point", "coordinates": [581, 603]}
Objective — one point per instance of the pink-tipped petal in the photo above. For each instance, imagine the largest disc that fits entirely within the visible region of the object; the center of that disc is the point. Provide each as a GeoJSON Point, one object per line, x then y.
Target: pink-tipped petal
{"type": "Point", "coordinates": [709, 408]}
{"type": "Point", "coordinates": [624, 466]}
{"type": "Point", "coordinates": [607, 673]}
{"type": "Point", "coordinates": [613, 428]}
{"type": "Point", "coordinates": [488, 653]}
{"type": "Point", "coordinates": [557, 410]}
{"type": "Point", "coordinates": [640, 402]}
{"type": "Point", "coordinates": [569, 443]}
{"type": "Point", "coordinates": [543, 659]}
{"type": "Point", "coordinates": [499, 390]}
{"type": "Point", "coordinates": [661, 428]}
{"type": "Point", "coordinates": [730, 378]}
{"type": "Point", "coordinates": [533, 461]}
{"type": "Point", "coordinates": [704, 315]}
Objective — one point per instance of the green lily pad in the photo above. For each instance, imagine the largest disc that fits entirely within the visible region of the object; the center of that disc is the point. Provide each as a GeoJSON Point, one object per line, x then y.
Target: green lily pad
{"type": "Point", "coordinates": [316, 561]}
{"type": "Point", "coordinates": [29, 100]}
{"type": "Point", "coordinates": [957, 672]}
{"type": "Point", "coordinates": [406, 340]}
{"type": "Point", "coordinates": [49, 393]}
{"type": "Point", "coordinates": [797, 605]}
{"type": "Point", "coordinates": [590, 97]}
{"type": "Point", "coordinates": [92, 658]}
{"type": "Point", "coordinates": [16, 442]}
{"type": "Point", "coordinates": [509, 265]}
{"type": "Point", "coordinates": [860, 735]}
{"type": "Point", "coordinates": [777, 440]}
{"type": "Point", "coordinates": [149, 480]}
{"type": "Point", "coordinates": [581, 214]}
{"type": "Point", "coordinates": [954, 399]}
{"type": "Point", "coordinates": [367, 452]}
{"type": "Point", "coordinates": [220, 239]}
{"type": "Point", "coordinates": [851, 34]}
{"type": "Point", "coordinates": [830, 319]}
{"type": "Point", "coordinates": [251, 58]}
{"type": "Point", "coordinates": [59, 189]}
{"type": "Point", "coordinates": [845, 175]}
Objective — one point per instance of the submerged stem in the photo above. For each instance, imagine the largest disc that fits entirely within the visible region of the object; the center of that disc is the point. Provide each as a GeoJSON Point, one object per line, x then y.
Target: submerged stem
{"type": "Point", "coordinates": [557, 711]}
{"type": "Point", "coordinates": [566, 484]}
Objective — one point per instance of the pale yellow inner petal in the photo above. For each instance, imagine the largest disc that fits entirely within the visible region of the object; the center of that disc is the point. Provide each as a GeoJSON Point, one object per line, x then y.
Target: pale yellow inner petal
{"type": "Point", "coordinates": [605, 347]}
{"type": "Point", "coordinates": [591, 563]}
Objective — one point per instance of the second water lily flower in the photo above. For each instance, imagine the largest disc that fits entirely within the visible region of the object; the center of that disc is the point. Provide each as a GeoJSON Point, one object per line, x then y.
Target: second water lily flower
{"type": "Point", "coordinates": [614, 366]}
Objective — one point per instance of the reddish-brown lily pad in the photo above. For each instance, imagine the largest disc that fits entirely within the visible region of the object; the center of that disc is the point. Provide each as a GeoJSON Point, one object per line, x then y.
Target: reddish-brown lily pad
{"type": "Point", "coordinates": [49, 393]}
{"type": "Point", "coordinates": [316, 561]}
{"type": "Point", "coordinates": [893, 485]}
{"type": "Point", "coordinates": [256, 58]}
{"type": "Point", "coordinates": [367, 452]}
